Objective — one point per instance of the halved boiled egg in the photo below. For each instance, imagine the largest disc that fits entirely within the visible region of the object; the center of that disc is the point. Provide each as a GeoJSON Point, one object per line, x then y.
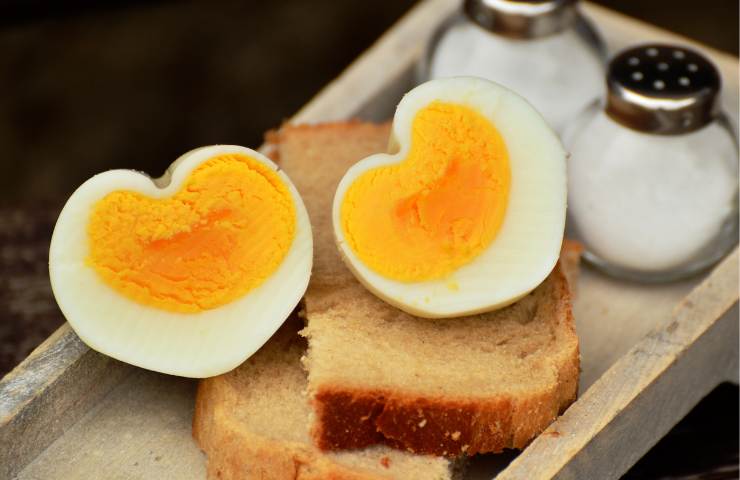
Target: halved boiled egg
{"type": "Point", "coordinates": [188, 274]}
{"type": "Point", "coordinates": [467, 212]}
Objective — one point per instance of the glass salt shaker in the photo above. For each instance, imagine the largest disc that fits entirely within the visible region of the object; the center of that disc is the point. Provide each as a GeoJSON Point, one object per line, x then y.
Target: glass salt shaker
{"type": "Point", "coordinates": [543, 49]}
{"type": "Point", "coordinates": [653, 172]}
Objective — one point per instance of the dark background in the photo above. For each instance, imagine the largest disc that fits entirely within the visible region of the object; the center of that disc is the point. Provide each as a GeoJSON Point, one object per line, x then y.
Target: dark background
{"type": "Point", "coordinates": [88, 86]}
{"type": "Point", "coordinates": [96, 85]}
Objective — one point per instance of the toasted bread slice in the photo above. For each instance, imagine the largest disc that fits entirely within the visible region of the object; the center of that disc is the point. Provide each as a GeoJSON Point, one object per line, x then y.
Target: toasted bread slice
{"type": "Point", "coordinates": [253, 424]}
{"type": "Point", "coordinates": [444, 387]}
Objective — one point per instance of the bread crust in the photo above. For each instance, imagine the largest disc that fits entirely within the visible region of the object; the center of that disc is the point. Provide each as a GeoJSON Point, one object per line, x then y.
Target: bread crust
{"type": "Point", "coordinates": [355, 418]}
{"type": "Point", "coordinates": [237, 450]}
{"type": "Point", "coordinates": [236, 453]}
{"type": "Point", "coordinates": [352, 416]}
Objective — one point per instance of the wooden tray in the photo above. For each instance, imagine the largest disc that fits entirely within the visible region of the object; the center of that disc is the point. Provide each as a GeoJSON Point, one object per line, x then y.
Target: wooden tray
{"type": "Point", "coordinates": [649, 353]}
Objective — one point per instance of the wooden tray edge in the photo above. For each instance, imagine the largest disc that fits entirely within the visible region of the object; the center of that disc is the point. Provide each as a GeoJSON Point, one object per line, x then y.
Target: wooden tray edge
{"type": "Point", "coordinates": [643, 394]}
{"type": "Point", "coordinates": [48, 392]}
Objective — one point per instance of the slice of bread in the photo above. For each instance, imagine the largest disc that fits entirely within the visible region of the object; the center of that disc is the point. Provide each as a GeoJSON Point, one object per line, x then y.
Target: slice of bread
{"type": "Point", "coordinates": [253, 424]}
{"type": "Point", "coordinates": [443, 387]}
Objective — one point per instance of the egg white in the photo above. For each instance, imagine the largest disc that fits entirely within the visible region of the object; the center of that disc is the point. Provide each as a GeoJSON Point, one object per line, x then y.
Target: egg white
{"type": "Point", "coordinates": [528, 243]}
{"type": "Point", "coordinates": [200, 344]}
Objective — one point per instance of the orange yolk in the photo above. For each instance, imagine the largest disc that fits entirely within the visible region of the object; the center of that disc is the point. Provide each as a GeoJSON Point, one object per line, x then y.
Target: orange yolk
{"type": "Point", "coordinates": [435, 211]}
{"type": "Point", "coordinates": [221, 235]}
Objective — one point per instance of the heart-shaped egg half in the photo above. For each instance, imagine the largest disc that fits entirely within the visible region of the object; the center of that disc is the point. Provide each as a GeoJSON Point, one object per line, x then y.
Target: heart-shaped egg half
{"type": "Point", "coordinates": [188, 274]}
{"type": "Point", "coordinates": [466, 213]}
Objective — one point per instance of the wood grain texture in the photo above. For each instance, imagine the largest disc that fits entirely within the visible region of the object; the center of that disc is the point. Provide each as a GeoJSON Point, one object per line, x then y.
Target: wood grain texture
{"type": "Point", "coordinates": [139, 431]}
{"type": "Point", "coordinates": [646, 391]}
{"type": "Point", "coordinates": [141, 428]}
{"type": "Point", "coordinates": [615, 314]}
{"type": "Point", "coordinates": [47, 393]}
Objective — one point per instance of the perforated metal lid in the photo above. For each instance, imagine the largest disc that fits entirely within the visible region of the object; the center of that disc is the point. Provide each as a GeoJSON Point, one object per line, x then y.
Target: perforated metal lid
{"type": "Point", "coordinates": [522, 18]}
{"type": "Point", "coordinates": [663, 89]}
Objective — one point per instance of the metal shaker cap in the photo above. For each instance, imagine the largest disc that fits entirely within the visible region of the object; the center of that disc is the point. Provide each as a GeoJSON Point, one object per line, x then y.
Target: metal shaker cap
{"type": "Point", "coordinates": [522, 19]}
{"type": "Point", "coordinates": [662, 89]}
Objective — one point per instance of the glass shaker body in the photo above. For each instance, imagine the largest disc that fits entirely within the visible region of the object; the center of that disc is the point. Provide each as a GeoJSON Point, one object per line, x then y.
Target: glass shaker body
{"type": "Point", "coordinates": [559, 73]}
{"type": "Point", "coordinates": [648, 206]}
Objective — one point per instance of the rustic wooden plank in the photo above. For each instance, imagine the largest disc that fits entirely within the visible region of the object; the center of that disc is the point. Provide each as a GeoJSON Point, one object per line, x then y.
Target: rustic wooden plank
{"type": "Point", "coordinates": [646, 391]}
{"type": "Point", "coordinates": [141, 430]}
{"type": "Point", "coordinates": [47, 393]}
{"type": "Point", "coordinates": [613, 315]}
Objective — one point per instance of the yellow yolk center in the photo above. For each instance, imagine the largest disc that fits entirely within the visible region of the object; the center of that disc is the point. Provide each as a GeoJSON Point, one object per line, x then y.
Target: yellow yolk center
{"type": "Point", "coordinates": [221, 235]}
{"type": "Point", "coordinates": [427, 216]}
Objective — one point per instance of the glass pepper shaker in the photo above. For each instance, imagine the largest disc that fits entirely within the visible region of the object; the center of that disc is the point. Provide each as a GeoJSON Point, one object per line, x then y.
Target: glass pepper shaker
{"type": "Point", "coordinates": [543, 49]}
{"type": "Point", "coordinates": [653, 172]}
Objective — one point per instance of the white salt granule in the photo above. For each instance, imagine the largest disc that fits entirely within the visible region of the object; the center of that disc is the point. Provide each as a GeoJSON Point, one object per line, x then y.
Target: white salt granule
{"type": "Point", "coordinates": [650, 202]}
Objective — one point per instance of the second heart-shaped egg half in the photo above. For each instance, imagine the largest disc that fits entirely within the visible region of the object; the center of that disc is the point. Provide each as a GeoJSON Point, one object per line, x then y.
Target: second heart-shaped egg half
{"type": "Point", "coordinates": [188, 274]}
{"type": "Point", "coordinates": [466, 213]}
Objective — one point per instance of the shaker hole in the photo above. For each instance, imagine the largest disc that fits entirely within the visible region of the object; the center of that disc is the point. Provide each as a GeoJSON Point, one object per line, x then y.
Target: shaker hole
{"type": "Point", "coordinates": [659, 84]}
{"type": "Point", "coordinates": [652, 52]}
{"type": "Point", "coordinates": [678, 54]}
{"type": "Point", "coordinates": [662, 66]}
{"type": "Point", "coordinates": [637, 76]}
{"type": "Point", "coordinates": [692, 67]}
{"type": "Point", "coordinates": [633, 61]}
{"type": "Point", "coordinates": [684, 81]}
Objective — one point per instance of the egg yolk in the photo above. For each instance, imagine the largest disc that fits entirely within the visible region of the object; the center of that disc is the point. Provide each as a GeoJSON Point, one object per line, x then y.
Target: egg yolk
{"type": "Point", "coordinates": [425, 217]}
{"type": "Point", "coordinates": [221, 235]}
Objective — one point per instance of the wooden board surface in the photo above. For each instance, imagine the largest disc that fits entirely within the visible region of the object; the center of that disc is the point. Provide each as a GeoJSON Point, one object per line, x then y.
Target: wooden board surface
{"type": "Point", "coordinates": [644, 357]}
{"type": "Point", "coordinates": [643, 394]}
{"type": "Point", "coordinates": [141, 430]}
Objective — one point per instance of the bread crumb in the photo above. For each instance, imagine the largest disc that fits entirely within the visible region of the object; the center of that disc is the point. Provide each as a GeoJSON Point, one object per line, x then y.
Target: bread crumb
{"type": "Point", "coordinates": [464, 448]}
{"type": "Point", "coordinates": [386, 462]}
{"type": "Point", "coordinates": [422, 423]}
{"type": "Point", "coordinates": [456, 436]}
